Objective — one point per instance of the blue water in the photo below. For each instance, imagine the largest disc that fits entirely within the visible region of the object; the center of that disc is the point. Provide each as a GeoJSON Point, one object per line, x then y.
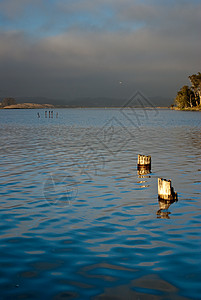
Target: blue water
{"type": "Point", "coordinates": [77, 221]}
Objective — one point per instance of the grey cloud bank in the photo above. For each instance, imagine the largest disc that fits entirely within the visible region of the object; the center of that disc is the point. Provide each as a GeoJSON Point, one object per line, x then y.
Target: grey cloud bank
{"type": "Point", "coordinates": [149, 46]}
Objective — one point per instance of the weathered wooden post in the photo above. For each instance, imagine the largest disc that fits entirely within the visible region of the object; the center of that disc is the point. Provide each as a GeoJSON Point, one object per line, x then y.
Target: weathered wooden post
{"type": "Point", "coordinates": [165, 190]}
{"type": "Point", "coordinates": [144, 164]}
{"type": "Point", "coordinates": [46, 114]}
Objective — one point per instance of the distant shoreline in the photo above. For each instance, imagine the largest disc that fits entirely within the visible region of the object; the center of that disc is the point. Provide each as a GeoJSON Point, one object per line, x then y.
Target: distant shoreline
{"type": "Point", "coordinates": [50, 106]}
{"type": "Point", "coordinates": [195, 108]}
{"type": "Point", "coordinates": [28, 106]}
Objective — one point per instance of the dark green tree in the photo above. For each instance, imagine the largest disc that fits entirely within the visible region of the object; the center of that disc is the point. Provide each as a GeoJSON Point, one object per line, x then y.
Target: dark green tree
{"type": "Point", "coordinates": [184, 97]}
{"type": "Point", "coordinates": [195, 80]}
{"type": "Point", "coordinates": [8, 101]}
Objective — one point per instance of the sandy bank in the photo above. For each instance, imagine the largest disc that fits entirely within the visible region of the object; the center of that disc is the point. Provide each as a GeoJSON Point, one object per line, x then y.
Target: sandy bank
{"type": "Point", "coordinates": [28, 105]}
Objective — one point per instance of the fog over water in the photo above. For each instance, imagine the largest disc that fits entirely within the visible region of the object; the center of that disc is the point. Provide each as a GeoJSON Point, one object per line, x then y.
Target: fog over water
{"type": "Point", "coordinates": [65, 49]}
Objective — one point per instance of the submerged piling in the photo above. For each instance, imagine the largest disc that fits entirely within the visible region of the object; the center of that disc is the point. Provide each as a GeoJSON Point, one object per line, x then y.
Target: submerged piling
{"type": "Point", "coordinates": [165, 190]}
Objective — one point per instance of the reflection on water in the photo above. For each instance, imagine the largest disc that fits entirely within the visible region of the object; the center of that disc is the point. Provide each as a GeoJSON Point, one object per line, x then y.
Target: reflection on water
{"type": "Point", "coordinates": [143, 172]}
{"type": "Point", "coordinates": [77, 221]}
{"type": "Point", "coordinates": [163, 207]}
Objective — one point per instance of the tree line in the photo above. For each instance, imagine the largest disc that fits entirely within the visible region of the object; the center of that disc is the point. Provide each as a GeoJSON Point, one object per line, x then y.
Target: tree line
{"type": "Point", "coordinates": [7, 102]}
{"type": "Point", "coordinates": [190, 96]}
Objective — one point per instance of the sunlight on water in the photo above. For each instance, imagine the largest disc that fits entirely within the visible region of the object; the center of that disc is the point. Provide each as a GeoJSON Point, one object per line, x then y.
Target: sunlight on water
{"type": "Point", "coordinates": [78, 221]}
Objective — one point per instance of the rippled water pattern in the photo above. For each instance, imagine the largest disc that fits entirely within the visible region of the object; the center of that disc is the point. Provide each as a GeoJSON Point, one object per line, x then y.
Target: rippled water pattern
{"type": "Point", "coordinates": [78, 222]}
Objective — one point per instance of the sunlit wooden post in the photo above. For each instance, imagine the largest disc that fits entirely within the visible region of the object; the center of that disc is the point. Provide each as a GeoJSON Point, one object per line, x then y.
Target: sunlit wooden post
{"type": "Point", "coordinates": [144, 164]}
{"type": "Point", "coordinates": [165, 190]}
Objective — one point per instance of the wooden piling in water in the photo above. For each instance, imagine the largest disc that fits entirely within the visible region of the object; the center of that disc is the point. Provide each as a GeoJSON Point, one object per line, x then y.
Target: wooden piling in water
{"type": "Point", "coordinates": [165, 190]}
{"type": "Point", "coordinates": [144, 164]}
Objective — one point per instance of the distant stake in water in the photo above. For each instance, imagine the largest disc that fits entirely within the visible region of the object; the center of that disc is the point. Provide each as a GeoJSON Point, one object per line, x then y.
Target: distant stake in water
{"type": "Point", "coordinates": [165, 190]}
{"type": "Point", "coordinates": [144, 164]}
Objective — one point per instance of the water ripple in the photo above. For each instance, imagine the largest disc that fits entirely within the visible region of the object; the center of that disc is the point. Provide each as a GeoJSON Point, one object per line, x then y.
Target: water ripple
{"type": "Point", "coordinates": [96, 234]}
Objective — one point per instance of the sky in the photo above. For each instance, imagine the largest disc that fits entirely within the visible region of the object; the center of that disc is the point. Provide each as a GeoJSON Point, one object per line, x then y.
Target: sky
{"type": "Point", "coordinates": [65, 49]}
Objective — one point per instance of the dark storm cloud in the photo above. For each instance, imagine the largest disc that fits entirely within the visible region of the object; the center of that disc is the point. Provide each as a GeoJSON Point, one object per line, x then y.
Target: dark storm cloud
{"type": "Point", "coordinates": [148, 45]}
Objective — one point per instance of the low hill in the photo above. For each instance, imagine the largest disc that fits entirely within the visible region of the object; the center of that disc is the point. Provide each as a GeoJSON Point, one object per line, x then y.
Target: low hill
{"type": "Point", "coordinates": [138, 100]}
{"type": "Point", "coordinates": [28, 105]}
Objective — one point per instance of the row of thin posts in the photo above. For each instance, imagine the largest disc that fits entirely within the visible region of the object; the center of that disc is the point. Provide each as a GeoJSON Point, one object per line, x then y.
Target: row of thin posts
{"type": "Point", "coordinates": [50, 114]}
{"type": "Point", "coordinates": [166, 193]}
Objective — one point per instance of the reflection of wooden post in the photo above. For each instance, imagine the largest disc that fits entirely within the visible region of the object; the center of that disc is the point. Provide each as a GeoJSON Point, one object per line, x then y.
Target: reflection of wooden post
{"type": "Point", "coordinates": [165, 190]}
{"type": "Point", "coordinates": [144, 164]}
{"type": "Point", "coordinates": [164, 204]}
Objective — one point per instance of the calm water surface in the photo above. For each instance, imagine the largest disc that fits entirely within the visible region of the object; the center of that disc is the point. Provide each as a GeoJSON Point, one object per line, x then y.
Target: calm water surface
{"type": "Point", "coordinates": [76, 219]}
